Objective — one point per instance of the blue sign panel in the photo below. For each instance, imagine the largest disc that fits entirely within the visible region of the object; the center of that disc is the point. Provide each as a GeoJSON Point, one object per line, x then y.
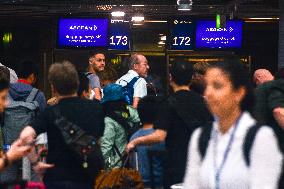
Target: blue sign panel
{"type": "Point", "coordinates": [182, 35]}
{"type": "Point", "coordinates": [82, 32]}
{"type": "Point", "coordinates": [119, 36]}
{"type": "Point", "coordinates": [208, 36]}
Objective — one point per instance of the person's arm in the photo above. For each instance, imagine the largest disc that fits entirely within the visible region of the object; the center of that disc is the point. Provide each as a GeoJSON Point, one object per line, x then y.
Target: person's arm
{"type": "Point", "coordinates": [17, 151]}
{"type": "Point", "coordinates": [266, 161]}
{"type": "Point", "coordinates": [192, 173]}
{"type": "Point", "coordinates": [140, 90]}
{"type": "Point", "coordinates": [158, 136]}
{"type": "Point", "coordinates": [135, 102]}
{"type": "Point", "coordinates": [278, 114]}
{"type": "Point", "coordinates": [98, 94]}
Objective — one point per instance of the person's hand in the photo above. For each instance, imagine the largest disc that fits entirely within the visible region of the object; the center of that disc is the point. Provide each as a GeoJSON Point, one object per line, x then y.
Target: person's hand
{"type": "Point", "coordinates": [52, 101]}
{"type": "Point", "coordinates": [41, 167]}
{"type": "Point", "coordinates": [28, 135]}
{"type": "Point", "coordinates": [129, 147]}
{"type": "Point", "coordinates": [18, 150]}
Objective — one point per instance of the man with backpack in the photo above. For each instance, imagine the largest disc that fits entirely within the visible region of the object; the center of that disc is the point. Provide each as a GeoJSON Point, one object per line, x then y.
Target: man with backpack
{"type": "Point", "coordinates": [25, 102]}
{"type": "Point", "coordinates": [18, 148]}
{"type": "Point", "coordinates": [74, 127]}
{"type": "Point", "coordinates": [133, 82]}
{"type": "Point", "coordinates": [178, 116]}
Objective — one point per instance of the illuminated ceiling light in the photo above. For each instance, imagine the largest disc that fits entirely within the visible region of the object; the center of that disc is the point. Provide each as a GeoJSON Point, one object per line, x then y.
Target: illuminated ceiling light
{"type": "Point", "coordinates": [137, 24]}
{"type": "Point", "coordinates": [161, 43]}
{"type": "Point", "coordinates": [270, 18]}
{"type": "Point", "coordinates": [163, 38]}
{"type": "Point", "coordinates": [137, 18]}
{"type": "Point", "coordinates": [7, 37]}
{"type": "Point", "coordinates": [156, 21]}
{"type": "Point", "coordinates": [104, 7]}
{"type": "Point", "coordinates": [184, 5]}
{"type": "Point", "coordinates": [118, 14]}
{"type": "Point", "coordinates": [137, 5]}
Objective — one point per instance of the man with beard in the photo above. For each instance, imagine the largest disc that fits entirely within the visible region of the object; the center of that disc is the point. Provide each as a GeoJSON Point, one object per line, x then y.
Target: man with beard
{"type": "Point", "coordinates": [97, 62]}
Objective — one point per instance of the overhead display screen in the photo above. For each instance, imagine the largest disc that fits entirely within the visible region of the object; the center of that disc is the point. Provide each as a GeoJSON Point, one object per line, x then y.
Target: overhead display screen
{"type": "Point", "coordinates": [208, 36]}
{"type": "Point", "coordinates": [83, 33]}
{"type": "Point", "coordinates": [182, 35]}
{"type": "Point", "coordinates": [119, 36]}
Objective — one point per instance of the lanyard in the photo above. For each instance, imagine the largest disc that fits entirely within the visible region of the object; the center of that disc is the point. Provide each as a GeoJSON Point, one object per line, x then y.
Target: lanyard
{"type": "Point", "coordinates": [218, 170]}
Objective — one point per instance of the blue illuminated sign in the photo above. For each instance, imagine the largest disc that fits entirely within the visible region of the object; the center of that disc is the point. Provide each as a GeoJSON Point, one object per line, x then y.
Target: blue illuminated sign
{"type": "Point", "coordinates": [182, 35]}
{"type": "Point", "coordinates": [119, 36]}
{"type": "Point", "coordinates": [208, 36]}
{"type": "Point", "coordinates": [82, 32]}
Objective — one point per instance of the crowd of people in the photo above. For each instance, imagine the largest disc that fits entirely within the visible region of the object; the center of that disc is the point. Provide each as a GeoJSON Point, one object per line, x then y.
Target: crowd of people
{"type": "Point", "coordinates": [213, 131]}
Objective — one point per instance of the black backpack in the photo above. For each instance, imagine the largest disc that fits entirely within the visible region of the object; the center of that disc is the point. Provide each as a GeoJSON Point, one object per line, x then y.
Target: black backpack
{"type": "Point", "coordinates": [83, 144]}
{"type": "Point", "coordinates": [247, 146]}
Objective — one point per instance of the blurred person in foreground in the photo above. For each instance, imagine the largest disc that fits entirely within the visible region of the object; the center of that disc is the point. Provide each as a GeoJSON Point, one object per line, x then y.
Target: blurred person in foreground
{"type": "Point", "coordinates": [18, 148]}
{"type": "Point", "coordinates": [217, 155]}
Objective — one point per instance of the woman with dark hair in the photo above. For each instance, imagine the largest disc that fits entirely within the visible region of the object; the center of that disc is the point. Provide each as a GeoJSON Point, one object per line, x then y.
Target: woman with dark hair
{"type": "Point", "coordinates": [219, 156]}
{"type": "Point", "coordinates": [120, 117]}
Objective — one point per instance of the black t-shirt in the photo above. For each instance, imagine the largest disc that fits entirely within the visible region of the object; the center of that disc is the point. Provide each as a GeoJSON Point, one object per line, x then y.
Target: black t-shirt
{"type": "Point", "coordinates": [191, 105]}
{"type": "Point", "coordinates": [89, 116]}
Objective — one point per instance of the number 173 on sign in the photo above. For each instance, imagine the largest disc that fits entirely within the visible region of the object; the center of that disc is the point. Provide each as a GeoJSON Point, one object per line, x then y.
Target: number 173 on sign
{"type": "Point", "coordinates": [118, 40]}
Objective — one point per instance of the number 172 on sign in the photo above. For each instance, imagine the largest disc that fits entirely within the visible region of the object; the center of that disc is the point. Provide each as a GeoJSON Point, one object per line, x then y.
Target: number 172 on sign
{"type": "Point", "coordinates": [181, 41]}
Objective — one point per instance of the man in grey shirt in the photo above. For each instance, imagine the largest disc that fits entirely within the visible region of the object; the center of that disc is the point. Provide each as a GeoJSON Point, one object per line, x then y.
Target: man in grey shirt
{"type": "Point", "coordinates": [96, 64]}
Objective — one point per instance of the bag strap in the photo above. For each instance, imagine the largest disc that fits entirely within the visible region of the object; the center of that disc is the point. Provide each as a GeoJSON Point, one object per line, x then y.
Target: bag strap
{"type": "Point", "coordinates": [190, 121]}
{"type": "Point", "coordinates": [204, 140]}
{"type": "Point", "coordinates": [88, 74]}
{"type": "Point", "coordinates": [132, 81]}
{"type": "Point", "coordinates": [32, 95]}
{"type": "Point", "coordinates": [122, 157]}
{"type": "Point", "coordinates": [117, 151]}
{"type": "Point", "coordinates": [248, 142]}
{"type": "Point", "coordinates": [120, 120]}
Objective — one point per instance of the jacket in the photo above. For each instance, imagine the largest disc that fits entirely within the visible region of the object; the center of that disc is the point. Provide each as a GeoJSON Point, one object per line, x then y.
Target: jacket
{"type": "Point", "coordinates": [114, 133]}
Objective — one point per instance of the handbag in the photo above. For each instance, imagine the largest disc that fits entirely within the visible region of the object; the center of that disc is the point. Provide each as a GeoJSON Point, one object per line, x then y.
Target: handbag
{"type": "Point", "coordinates": [119, 178]}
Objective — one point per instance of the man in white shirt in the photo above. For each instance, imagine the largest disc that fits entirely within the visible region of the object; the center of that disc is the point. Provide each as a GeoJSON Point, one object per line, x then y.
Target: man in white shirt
{"type": "Point", "coordinates": [139, 67]}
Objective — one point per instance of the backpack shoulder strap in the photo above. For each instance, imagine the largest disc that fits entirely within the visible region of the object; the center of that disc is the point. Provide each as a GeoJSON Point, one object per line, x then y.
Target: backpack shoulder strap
{"type": "Point", "coordinates": [32, 95]}
{"type": "Point", "coordinates": [248, 142]}
{"type": "Point", "coordinates": [87, 74]}
{"type": "Point", "coordinates": [203, 141]}
{"type": "Point", "coordinates": [133, 81]}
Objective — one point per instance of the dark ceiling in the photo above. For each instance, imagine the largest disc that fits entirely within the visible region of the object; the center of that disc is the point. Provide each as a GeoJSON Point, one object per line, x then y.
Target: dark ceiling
{"type": "Point", "coordinates": [151, 8]}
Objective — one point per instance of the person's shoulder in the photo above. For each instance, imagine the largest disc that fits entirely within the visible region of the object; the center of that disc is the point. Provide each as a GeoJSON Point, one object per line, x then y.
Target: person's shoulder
{"type": "Point", "coordinates": [141, 79]}
{"type": "Point", "coordinates": [132, 111]}
{"type": "Point", "coordinates": [92, 103]}
{"type": "Point", "coordinates": [136, 134]}
{"type": "Point", "coordinates": [40, 94]}
{"type": "Point", "coordinates": [265, 132]}
{"type": "Point", "coordinates": [122, 78]}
